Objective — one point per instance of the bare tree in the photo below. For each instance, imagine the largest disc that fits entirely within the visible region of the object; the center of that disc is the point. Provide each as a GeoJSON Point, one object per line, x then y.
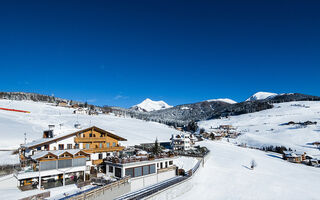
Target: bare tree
{"type": "Point", "coordinates": [253, 164]}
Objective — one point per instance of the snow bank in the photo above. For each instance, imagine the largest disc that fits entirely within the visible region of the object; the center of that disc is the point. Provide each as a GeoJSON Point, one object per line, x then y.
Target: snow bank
{"type": "Point", "coordinates": [185, 163]}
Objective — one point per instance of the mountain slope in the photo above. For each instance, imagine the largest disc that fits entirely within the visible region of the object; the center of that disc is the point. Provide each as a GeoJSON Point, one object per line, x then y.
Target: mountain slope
{"type": "Point", "coordinates": [148, 105]}
{"type": "Point", "coordinates": [261, 96]}
{"type": "Point", "coordinates": [267, 127]}
{"type": "Point", "coordinates": [223, 100]}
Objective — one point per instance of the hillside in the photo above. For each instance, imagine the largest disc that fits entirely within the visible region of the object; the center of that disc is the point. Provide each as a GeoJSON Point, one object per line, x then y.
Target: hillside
{"type": "Point", "coordinates": [226, 176]}
{"type": "Point", "coordinates": [14, 125]}
{"type": "Point", "coordinates": [181, 115]}
{"type": "Point", "coordinates": [267, 127]}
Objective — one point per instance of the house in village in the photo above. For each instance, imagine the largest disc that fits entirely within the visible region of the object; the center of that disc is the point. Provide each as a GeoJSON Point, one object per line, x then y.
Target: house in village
{"type": "Point", "coordinates": [63, 104]}
{"type": "Point", "coordinates": [220, 132]}
{"type": "Point", "coordinates": [295, 157]}
{"type": "Point", "coordinates": [182, 142]}
{"type": "Point", "coordinates": [81, 111]}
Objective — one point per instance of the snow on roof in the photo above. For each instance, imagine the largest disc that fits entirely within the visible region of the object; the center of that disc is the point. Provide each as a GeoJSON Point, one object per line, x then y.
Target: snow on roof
{"type": "Point", "coordinates": [141, 152]}
{"type": "Point", "coordinates": [40, 154]}
{"type": "Point", "coordinates": [68, 133]}
{"type": "Point", "coordinates": [45, 140]}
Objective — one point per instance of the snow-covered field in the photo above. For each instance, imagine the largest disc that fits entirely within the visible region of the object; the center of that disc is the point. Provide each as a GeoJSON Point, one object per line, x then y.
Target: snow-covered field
{"type": "Point", "coordinates": [226, 175]}
{"type": "Point", "coordinates": [264, 128]}
{"type": "Point", "coordinates": [13, 125]}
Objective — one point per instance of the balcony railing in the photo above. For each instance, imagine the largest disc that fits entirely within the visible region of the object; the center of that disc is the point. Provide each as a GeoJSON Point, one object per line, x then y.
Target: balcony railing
{"type": "Point", "coordinates": [89, 139]}
{"type": "Point", "coordinates": [133, 159]}
{"type": "Point", "coordinates": [107, 149]}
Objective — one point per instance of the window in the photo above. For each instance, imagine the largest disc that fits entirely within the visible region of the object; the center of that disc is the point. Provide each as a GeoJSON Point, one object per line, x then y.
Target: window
{"type": "Point", "coordinates": [137, 171]}
{"type": "Point", "coordinates": [79, 162]}
{"type": "Point", "coordinates": [110, 169]}
{"type": "Point", "coordinates": [145, 170]}
{"type": "Point", "coordinates": [117, 172]}
{"type": "Point", "coordinates": [100, 145]}
{"type": "Point", "coordinates": [64, 163]}
{"type": "Point", "coordinates": [108, 145]}
{"type": "Point", "coordinates": [46, 147]}
{"type": "Point", "coordinates": [161, 165]}
{"type": "Point", "coordinates": [113, 144]}
{"type": "Point", "coordinates": [129, 172]}
{"type": "Point", "coordinates": [69, 146]}
{"type": "Point", "coordinates": [90, 135]}
{"type": "Point", "coordinates": [87, 146]}
{"type": "Point", "coordinates": [76, 146]}
{"type": "Point", "coordinates": [166, 164]}
{"type": "Point", "coordinates": [61, 147]}
{"type": "Point", "coordinates": [100, 155]}
{"type": "Point", "coordinates": [152, 169]}
{"type": "Point", "coordinates": [47, 165]}
{"type": "Point", "coordinates": [170, 162]}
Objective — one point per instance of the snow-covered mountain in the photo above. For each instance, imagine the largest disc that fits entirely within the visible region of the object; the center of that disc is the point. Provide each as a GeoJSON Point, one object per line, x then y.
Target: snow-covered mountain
{"type": "Point", "coordinates": [261, 95]}
{"type": "Point", "coordinates": [223, 100]}
{"type": "Point", "coordinates": [148, 105]}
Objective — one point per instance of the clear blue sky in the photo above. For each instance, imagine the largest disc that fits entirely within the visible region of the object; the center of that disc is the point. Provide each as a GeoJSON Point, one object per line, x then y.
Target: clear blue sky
{"type": "Point", "coordinates": [121, 52]}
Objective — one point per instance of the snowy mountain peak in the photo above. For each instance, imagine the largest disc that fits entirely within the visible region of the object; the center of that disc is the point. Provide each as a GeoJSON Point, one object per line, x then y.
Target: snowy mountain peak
{"type": "Point", "coordinates": [226, 100]}
{"type": "Point", "coordinates": [149, 105]}
{"type": "Point", "coordinates": [261, 95]}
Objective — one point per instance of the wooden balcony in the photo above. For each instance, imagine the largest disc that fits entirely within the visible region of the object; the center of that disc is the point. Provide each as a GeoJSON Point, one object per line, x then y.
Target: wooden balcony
{"type": "Point", "coordinates": [100, 150]}
{"type": "Point", "coordinates": [97, 162]}
{"type": "Point", "coordinates": [89, 139]}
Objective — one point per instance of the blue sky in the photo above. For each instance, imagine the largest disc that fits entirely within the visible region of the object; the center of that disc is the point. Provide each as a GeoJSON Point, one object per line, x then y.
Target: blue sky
{"type": "Point", "coordinates": [121, 52]}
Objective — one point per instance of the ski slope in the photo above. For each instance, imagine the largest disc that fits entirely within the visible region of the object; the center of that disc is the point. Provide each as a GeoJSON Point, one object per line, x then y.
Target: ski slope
{"type": "Point", "coordinates": [265, 128]}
